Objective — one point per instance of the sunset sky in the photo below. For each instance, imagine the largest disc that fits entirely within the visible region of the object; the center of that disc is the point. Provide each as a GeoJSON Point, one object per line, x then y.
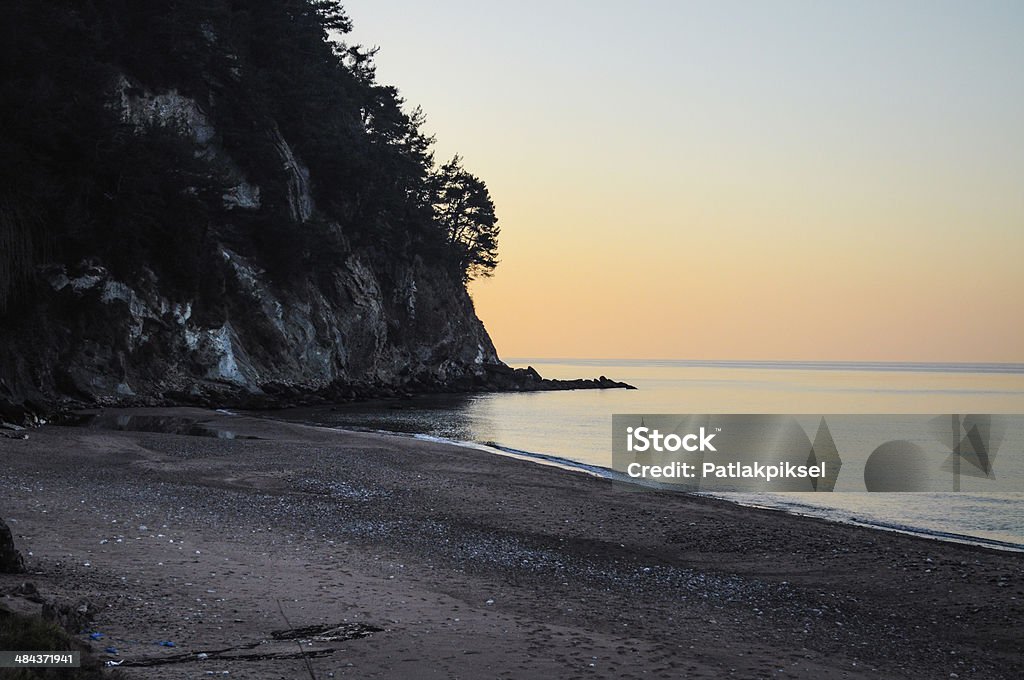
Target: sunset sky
{"type": "Point", "coordinates": [733, 180]}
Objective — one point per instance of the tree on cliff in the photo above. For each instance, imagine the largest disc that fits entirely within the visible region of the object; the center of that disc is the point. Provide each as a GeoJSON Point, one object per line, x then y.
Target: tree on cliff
{"type": "Point", "coordinates": [463, 209]}
{"type": "Point", "coordinates": [81, 183]}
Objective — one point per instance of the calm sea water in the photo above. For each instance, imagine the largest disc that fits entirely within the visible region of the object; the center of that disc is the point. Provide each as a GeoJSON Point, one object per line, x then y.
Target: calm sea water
{"type": "Point", "coordinates": [575, 426]}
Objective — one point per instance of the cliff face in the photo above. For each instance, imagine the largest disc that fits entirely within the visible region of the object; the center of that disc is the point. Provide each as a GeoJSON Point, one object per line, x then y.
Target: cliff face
{"type": "Point", "coordinates": [372, 319]}
{"type": "Point", "coordinates": [94, 338]}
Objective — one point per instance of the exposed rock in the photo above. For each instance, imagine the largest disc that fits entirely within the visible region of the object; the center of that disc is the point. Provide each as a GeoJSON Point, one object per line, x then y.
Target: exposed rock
{"type": "Point", "coordinates": [11, 561]}
{"type": "Point", "coordinates": [300, 200]}
{"type": "Point", "coordinates": [97, 339]}
{"type": "Point", "coordinates": [503, 378]}
{"type": "Point", "coordinates": [375, 324]}
{"type": "Point", "coordinates": [244, 196]}
{"type": "Point", "coordinates": [28, 591]}
{"type": "Point", "coordinates": [71, 616]}
{"type": "Point", "coordinates": [140, 107]}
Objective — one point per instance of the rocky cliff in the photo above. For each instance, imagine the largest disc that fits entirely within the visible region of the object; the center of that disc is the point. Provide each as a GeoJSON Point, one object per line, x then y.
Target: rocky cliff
{"type": "Point", "coordinates": [214, 201]}
{"type": "Point", "coordinates": [92, 338]}
{"type": "Point", "coordinates": [372, 322]}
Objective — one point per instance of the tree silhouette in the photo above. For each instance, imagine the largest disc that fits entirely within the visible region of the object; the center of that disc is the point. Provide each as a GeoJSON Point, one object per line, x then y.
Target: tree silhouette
{"type": "Point", "coordinates": [78, 182]}
{"type": "Point", "coordinates": [463, 209]}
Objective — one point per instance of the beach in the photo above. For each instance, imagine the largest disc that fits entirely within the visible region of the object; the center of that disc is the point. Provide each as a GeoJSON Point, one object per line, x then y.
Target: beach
{"type": "Point", "coordinates": [421, 559]}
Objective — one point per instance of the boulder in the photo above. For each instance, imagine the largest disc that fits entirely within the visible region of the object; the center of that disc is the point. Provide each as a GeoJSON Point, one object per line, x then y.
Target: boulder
{"type": "Point", "coordinates": [11, 561]}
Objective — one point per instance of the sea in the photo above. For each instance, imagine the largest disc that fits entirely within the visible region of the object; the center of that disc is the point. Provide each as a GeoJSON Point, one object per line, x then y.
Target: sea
{"type": "Point", "coordinates": [573, 429]}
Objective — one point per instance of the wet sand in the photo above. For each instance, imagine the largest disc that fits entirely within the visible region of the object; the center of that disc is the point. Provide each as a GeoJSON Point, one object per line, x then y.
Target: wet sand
{"type": "Point", "coordinates": [425, 560]}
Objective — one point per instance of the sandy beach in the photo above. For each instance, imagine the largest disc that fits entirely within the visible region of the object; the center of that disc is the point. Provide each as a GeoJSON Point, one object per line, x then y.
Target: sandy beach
{"type": "Point", "coordinates": [292, 550]}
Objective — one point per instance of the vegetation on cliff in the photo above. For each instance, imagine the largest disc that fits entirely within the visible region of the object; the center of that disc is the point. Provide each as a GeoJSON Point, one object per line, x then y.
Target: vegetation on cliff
{"type": "Point", "coordinates": [79, 181]}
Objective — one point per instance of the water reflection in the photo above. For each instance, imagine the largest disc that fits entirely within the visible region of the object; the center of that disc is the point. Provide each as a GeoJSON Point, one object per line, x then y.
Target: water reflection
{"type": "Point", "coordinates": [194, 427]}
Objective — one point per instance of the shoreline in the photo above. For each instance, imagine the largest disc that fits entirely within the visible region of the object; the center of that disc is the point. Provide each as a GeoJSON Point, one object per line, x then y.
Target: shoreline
{"type": "Point", "coordinates": [470, 564]}
{"type": "Point", "coordinates": [24, 411]}
{"type": "Point", "coordinates": [564, 463]}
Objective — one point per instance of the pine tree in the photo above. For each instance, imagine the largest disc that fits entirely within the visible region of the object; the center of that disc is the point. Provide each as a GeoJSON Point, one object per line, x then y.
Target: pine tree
{"type": "Point", "coordinates": [463, 209]}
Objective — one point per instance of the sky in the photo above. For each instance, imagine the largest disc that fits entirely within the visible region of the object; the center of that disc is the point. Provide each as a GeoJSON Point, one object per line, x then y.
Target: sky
{"type": "Point", "coordinates": [732, 180]}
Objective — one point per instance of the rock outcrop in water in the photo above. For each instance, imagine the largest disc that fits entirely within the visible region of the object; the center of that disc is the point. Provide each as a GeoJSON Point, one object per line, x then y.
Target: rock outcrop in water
{"type": "Point", "coordinates": [504, 378]}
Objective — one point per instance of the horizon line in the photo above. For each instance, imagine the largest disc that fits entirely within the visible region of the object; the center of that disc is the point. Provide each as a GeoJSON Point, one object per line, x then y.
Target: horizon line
{"type": "Point", "coordinates": [1015, 365]}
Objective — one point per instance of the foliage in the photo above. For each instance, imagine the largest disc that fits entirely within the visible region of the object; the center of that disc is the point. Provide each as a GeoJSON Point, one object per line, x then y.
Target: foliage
{"type": "Point", "coordinates": [77, 183]}
{"type": "Point", "coordinates": [463, 208]}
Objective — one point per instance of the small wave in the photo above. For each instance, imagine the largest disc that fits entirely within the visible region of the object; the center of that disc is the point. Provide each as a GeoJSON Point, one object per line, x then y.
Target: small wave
{"type": "Point", "coordinates": [790, 508]}
{"type": "Point", "coordinates": [542, 458]}
{"type": "Point", "coordinates": [842, 516]}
